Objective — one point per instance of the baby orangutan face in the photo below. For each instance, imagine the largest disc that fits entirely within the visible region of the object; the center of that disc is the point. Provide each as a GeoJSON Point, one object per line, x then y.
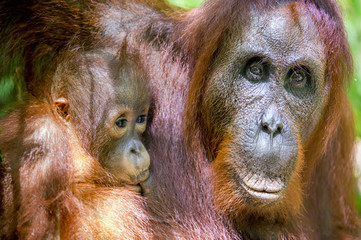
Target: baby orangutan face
{"type": "Point", "coordinates": [106, 105]}
{"type": "Point", "coordinates": [126, 157]}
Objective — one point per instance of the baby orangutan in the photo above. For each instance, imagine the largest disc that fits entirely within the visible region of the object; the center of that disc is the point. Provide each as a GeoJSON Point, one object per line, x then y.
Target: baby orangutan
{"type": "Point", "coordinates": [74, 162]}
{"type": "Point", "coordinates": [104, 102]}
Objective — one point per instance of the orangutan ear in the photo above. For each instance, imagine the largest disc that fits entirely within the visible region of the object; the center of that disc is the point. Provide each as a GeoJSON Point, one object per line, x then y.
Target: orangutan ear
{"type": "Point", "coordinates": [62, 106]}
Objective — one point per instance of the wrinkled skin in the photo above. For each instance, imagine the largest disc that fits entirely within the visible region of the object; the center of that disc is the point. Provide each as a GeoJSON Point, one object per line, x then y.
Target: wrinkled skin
{"type": "Point", "coordinates": [267, 87]}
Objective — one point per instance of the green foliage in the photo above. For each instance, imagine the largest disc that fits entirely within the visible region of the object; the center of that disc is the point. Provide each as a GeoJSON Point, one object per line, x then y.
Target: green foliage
{"type": "Point", "coordinates": [355, 98]}
{"type": "Point", "coordinates": [187, 4]}
{"type": "Point", "coordinates": [352, 18]}
{"type": "Point", "coordinates": [358, 199]}
{"type": "Point", "coordinates": [11, 79]}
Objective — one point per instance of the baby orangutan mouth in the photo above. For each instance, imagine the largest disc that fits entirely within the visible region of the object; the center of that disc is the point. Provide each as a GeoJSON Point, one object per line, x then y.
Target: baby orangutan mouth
{"type": "Point", "coordinates": [138, 181]}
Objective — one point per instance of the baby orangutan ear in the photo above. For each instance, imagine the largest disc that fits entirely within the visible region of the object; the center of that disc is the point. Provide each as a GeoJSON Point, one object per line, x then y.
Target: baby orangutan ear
{"type": "Point", "coordinates": [62, 105]}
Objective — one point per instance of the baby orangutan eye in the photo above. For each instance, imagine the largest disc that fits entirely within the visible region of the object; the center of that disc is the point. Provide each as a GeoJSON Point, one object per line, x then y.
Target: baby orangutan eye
{"type": "Point", "coordinates": [141, 119]}
{"type": "Point", "coordinates": [121, 123]}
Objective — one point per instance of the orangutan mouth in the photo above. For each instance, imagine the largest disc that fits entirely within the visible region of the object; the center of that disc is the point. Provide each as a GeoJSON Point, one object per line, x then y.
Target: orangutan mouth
{"type": "Point", "coordinates": [263, 188]}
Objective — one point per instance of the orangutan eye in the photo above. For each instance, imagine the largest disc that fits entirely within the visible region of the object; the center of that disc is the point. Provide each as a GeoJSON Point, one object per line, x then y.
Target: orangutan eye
{"type": "Point", "coordinates": [299, 82]}
{"type": "Point", "coordinates": [298, 78]}
{"type": "Point", "coordinates": [121, 123]}
{"type": "Point", "coordinates": [141, 119]}
{"type": "Point", "coordinates": [256, 69]}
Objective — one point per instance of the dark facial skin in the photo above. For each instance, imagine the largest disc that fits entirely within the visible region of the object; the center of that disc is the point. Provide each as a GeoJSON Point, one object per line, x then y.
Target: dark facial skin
{"type": "Point", "coordinates": [270, 89]}
{"type": "Point", "coordinates": [108, 107]}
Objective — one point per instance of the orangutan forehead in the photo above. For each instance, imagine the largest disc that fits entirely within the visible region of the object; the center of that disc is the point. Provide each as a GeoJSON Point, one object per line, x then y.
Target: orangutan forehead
{"type": "Point", "coordinates": [287, 31]}
{"type": "Point", "coordinates": [289, 21]}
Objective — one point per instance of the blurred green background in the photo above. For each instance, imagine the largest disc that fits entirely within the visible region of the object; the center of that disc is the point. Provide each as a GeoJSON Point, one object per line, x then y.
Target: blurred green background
{"type": "Point", "coordinates": [351, 10]}
{"type": "Point", "coordinates": [352, 18]}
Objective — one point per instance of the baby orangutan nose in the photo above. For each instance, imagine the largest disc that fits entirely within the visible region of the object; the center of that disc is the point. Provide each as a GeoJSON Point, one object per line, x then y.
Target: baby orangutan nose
{"type": "Point", "coordinates": [138, 155]}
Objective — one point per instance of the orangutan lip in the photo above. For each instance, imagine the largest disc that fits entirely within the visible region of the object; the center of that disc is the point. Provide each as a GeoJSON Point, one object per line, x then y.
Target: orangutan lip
{"type": "Point", "coordinates": [263, 188]}
{"type": "Point", "coordinates": [135, 187]}
{"type": "Point", "coordinates": [143, 176]}
{"type": "Point", "coordinates": [140, 177]}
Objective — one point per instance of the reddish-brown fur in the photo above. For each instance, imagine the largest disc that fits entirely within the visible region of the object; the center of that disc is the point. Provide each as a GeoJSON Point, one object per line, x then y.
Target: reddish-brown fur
{"type": "Point", "coordinates": [181, 202]}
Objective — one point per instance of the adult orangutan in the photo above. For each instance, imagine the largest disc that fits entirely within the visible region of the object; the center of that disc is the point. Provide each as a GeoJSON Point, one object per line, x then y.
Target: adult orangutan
{"type": "Point", "coordinates": [268, 102]}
